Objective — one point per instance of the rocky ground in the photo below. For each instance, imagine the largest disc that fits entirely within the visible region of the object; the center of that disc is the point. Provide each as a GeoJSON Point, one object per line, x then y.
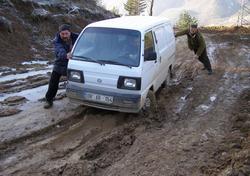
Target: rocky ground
{"type": "Point", "coordinates": [202, 127]}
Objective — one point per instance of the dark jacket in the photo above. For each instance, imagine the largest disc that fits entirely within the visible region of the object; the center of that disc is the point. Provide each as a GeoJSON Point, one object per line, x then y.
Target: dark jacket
{"type": "Point", "coordinates": [61, 50]}
{"type": "Point", "coordinates": [196, 43]}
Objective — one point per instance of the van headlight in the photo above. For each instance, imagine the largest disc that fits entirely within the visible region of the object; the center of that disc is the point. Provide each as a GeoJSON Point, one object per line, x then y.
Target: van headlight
{"type": "Point", "coordinates": [75, 76]}
{"type": "Point", "coordinates": [129, 83]}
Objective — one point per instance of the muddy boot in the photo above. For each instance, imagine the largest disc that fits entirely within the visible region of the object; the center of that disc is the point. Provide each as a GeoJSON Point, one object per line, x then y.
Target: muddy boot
{"type": "Point", "coordinates": [47, 104]}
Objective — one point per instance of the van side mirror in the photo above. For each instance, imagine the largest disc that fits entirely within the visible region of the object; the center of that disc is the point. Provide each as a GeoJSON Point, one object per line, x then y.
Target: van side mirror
{"type": "Point", "coordinates": [151, 56]}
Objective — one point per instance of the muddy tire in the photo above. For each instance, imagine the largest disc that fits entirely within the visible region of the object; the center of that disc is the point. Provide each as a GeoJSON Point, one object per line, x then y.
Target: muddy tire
{"type": "Point", "coordinates": [150, 105]}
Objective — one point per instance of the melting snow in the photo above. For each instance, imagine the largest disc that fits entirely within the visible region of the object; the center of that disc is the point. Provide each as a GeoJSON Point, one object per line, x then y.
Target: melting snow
{"type": "Point", "coordinates": [208, 104]}
{"type": "Point", "coordinates": [211, 52]}
{"type": "Point", "coordinates": [35, 62]}
{"type": "Point", "coordinates": [182, 101]}
{"type": "Point", "coordinates": [31, 94]}
{"type": "Point", "coordinates": [183, 98]}
{"type": "Point", "coordinates": [213, 98]}
{"type": "Point", "coordinates": [204, 107]}
{"type": "Point", "coordinates": [25, 75]}
{"type": "Point", "coordinates": [6, 70]}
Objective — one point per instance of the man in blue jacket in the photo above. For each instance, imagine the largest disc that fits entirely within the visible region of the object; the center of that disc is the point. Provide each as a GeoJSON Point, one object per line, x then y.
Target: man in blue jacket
{"type": "Point", "coordinates": [63, 44]}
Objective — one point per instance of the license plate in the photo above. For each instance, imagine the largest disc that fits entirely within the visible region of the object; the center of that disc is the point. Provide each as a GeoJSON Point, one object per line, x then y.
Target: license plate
{"type": "Point", "coordinates": [99, 98]}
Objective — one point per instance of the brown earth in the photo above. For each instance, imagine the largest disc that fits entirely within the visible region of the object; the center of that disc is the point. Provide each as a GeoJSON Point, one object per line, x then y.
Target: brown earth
{"type": "Point", "coordinates": [202, 127]}
{"type": "Point", "coordinates": [33, 26]}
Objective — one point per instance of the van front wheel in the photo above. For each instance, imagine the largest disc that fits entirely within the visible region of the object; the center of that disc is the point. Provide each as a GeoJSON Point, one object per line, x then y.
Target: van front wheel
{"type": "Point", "coordinates": [150, 105]}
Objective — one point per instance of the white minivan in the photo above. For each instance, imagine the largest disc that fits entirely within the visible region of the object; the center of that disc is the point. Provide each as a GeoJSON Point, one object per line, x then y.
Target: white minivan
{"type": "Point", "coordinates": [119, 64]}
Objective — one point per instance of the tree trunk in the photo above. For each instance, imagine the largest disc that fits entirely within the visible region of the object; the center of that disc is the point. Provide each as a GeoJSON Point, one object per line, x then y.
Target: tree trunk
{"type": "Point", "coordinates": [151, 8]}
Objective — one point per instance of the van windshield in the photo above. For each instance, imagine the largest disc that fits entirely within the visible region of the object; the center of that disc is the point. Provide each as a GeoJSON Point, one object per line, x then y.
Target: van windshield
{"type": "Point", "coordinates": [109, 46]}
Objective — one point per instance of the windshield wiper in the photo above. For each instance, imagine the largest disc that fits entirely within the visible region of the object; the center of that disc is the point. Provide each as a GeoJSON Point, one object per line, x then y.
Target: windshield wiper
{"type": "Point", "coordinates": [91, 59]}
{"type": "Point", "coordinates": [115, 63]}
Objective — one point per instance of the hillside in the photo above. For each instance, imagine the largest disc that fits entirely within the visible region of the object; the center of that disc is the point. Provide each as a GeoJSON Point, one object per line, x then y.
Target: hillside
{"type": "Point", "coordinates": [28, 27]}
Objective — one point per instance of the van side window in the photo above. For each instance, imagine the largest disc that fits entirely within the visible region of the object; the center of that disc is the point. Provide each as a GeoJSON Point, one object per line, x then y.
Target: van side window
{"type": "Point", "coordinates": [149, 46]}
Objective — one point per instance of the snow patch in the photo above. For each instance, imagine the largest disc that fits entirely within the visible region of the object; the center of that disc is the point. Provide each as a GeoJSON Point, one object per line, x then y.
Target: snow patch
{"type": "Point", "coordinates": [35, 62]}
{"type": "Point", "coordinates": [213, 98]}
{"type": "Point", "coordinates": [204, 107]}
{"type": "Point", "coordinates": [32, 95]}
{"type": "Point", "coordinates": [190, 88]}
{"type": "Point", "coordinates": [183, 100]}
{"type": "Point", "coordinates": [211, 52]}
{"type": "Point", "coordinates": [4, 70]}
{"type": "Point", "coordinates": [25, 75]}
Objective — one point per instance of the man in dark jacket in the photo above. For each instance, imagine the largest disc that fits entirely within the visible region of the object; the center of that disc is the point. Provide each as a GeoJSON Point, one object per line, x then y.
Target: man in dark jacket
{"type": "Point", "coordinates": [197, 44]}
{"type": "Point", "coordinates": [63, 44]}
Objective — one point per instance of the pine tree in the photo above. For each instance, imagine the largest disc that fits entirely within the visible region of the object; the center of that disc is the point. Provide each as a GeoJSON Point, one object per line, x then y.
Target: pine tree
{"type": "Point", "coordinates": [115, 10]}
{"type": "Point", "coordinates": [185, 20]}
{"type": "Point", "coordinates": [135, 7]}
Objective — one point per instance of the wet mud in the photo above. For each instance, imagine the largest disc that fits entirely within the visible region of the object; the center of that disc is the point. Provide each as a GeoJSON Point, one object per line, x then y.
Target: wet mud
{"type": "Point", "coordinates": [201, 127]}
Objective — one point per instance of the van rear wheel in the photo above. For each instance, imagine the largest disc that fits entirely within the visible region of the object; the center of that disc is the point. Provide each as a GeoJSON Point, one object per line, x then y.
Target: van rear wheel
{"type": "Point", "coordinates": [150, 105]}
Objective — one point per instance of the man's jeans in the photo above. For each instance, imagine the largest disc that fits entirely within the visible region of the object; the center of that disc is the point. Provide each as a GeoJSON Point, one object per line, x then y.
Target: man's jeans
{"type": "Point", "coordinates": [205, 60]}
{"type": "Point", "coordinates": [53, 86]}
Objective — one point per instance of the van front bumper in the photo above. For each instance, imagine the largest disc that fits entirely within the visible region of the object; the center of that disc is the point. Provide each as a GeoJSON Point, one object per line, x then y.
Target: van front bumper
{"type": "Point", "coordinates": [121, 102]}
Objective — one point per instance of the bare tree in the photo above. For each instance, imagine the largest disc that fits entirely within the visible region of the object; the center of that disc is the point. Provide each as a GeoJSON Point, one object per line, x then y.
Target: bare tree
{"type": "Point", "coordinates": [151, 7]}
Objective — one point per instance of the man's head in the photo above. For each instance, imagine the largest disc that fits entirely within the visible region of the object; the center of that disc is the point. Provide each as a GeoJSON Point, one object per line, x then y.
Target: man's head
{"type": "Point", "coordinates": [65, 32]}
{"type": "Point", "coordinates": [193, 28]}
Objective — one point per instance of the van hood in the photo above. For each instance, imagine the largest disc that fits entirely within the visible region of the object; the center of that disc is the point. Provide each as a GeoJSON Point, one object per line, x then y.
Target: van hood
{"type": "Point", "coordinates": [105, 76]}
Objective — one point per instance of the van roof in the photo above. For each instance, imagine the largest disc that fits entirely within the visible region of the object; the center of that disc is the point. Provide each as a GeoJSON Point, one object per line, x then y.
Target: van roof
{"type": "Point", "coordinates": [140, 23]}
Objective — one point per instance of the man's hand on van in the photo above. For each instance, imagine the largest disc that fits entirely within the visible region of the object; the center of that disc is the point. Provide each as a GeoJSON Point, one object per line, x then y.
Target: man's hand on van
{"type": "Point", "coordinates": [69, 55]}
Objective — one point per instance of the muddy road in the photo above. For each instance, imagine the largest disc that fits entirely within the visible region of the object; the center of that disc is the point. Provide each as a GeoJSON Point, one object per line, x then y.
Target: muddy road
{"type": "Point", "coordinates": [202, 127]}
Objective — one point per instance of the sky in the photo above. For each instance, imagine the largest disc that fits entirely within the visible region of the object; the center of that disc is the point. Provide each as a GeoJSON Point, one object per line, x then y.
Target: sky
{"type": "Point", "coordinates": [207, 12]}
{"type": "Point", "coordinates": [109, 4]}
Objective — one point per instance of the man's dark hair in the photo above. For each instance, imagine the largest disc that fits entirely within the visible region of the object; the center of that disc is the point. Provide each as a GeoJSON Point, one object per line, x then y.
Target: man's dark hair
{"type": "Point", "coordinates": [64, 27]}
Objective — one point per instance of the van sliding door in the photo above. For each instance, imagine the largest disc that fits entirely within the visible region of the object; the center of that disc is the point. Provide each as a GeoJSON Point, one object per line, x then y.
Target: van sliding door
{"type": "Point", "coordinates": [150, 64]}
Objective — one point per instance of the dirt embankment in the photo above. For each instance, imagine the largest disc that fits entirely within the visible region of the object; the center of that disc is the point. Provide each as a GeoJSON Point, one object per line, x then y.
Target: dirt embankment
{"type": "Point", "coordinates": [27, 28]}
{"type": "Point", "coordinates": [226, 30]}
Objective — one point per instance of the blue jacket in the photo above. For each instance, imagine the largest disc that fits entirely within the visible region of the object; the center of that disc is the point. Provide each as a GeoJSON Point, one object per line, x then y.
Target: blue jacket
{"type": "Point", "coordinates": [61, 50]}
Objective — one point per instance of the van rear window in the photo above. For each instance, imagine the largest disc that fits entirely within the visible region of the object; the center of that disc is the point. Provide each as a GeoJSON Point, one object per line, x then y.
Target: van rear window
{"type": "Point", "coordinates": [109, 46]}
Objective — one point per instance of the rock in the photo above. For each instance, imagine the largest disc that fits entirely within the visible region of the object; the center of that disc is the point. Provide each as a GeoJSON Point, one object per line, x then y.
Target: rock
{"type": "Point", "coordinates": [241, 117]}
{"type": "Point", "coordinates": [5, 25]}
{"type": "Point", "coordinates": [74, 10]}
{"type": "Point", "coordinates": [8, 112]}
{"type": "Point", "coordinates": [15, 100]}
{"type": "Point", "coordinates": [247, 125]}
{"type": "Point", "coordinates": [6, 3]}
{"type": "Point", "coordinates": [40, 14]}
{"type": "Point", "coordinates": [128, 140]}
{"type": "Point", "coordinates": [236, 146]}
